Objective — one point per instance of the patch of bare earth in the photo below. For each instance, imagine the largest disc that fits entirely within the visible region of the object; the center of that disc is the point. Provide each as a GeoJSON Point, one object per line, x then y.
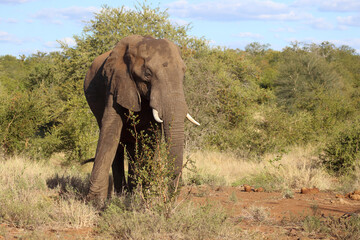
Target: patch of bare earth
{"type": "Point", "coordinates": [282, 213]}
{"type": "Point", "coordinates": [9, 232]}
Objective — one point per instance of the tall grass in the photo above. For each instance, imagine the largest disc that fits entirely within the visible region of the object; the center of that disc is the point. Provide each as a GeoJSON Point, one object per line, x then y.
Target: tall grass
{"type": "Point", "coordinates": [26, 200]}
{"type": "Point", "coordinates": [294, 169]}
{"type": "Point", "coordinates": [36, 197]}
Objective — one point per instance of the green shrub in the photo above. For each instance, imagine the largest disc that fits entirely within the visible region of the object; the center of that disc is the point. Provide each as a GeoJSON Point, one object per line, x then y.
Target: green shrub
{"type": "Point", "coordinates": [342, 154]}
{"type": "Point", "coordinates": [153, 170]}
{"type": "Point", "coordinates": [251, 102]}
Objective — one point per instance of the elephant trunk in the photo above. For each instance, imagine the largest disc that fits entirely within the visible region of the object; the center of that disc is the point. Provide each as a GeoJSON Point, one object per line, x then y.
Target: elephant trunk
{"type": "Point", "coordinates": [174, 116]}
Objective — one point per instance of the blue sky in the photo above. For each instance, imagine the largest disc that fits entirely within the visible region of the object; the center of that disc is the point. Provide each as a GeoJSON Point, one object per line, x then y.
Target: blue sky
{"type": "Point", "coordinates": [28, 26]}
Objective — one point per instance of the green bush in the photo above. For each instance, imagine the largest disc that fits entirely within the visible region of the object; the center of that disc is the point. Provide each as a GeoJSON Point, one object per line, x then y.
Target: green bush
{"type": "Point", "coordinates": [341, 155]}
{"type": "Point", "coordinates": [250, 102]}
{"type": "Point", "coordinates": [43, 108]}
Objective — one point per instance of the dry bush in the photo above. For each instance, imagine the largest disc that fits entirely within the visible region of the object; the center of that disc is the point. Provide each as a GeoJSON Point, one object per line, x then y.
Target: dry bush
{"type": "Point", "coordinates": [257, 213]}
{"type": "Point", "coordinates": [124, 220]}
{"type": "Point", "coordinates": [335, 227]}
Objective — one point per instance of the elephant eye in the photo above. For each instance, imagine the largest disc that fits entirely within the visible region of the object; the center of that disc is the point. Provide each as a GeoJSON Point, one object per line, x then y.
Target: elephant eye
{"type": "Point", "coordinates": [148, 73]}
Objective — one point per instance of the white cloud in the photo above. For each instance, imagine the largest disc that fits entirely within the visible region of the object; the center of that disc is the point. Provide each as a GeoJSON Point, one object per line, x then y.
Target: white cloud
{"type": "Point", "coordinates": [329, 5]}
{"type": "Point", "coordinates": [51, 44]}
{"type": "Point", "coordinates": [179, 22]}
{"type": "Point", "coordinates": [232, 10]}
{"type": "Point", "coordinates": [249, 35]}
{"type": "Point", "coordinates": [57, 16]}
{"type": "Point", "coordinates": [321, 24]}
{"type": "Point", "coordinates": [288, 16]}
{"type": "Point", "coordinates": [13, 1]}
{"type": "Point", "coordinates": [69, 41]}
{"type": "Point", "coordinates": [56, 45]}
{"type": "Point", "coordinates": [259, 10]}
{"type": "Point", "coordinates": [353, 21]}
{"type": "Point", "coordinates": [340, 5]}
{"type": "Point", "coordinates": [6, 37]}
{"type": "Point", "coordinates": [11, 20]}
{"type": "Point", "coordinates": [284, 29]}
{"type": "Point", "coordinates": [349, 42]}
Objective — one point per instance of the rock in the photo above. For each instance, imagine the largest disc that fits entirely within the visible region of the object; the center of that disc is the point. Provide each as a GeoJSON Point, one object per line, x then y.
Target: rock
{"type": "Point", "coordinates": [355, 196]}
{"type": "Point", "coordinates": [247, 188]}
{"type": "Point", "coordinates": [357, 191]}
{"type": "Point", "coordinates": [339, 196]}
{"type": "Point", "coordinates": [309, 190]}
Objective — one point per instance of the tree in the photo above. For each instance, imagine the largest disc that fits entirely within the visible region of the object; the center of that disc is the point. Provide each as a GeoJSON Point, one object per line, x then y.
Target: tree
{"type": "Point", "coordinates": [255, 48]}
{"type": "Point", "coordinates": [77, 127]}
{"type": "Point", "coordinates": [304, 77]}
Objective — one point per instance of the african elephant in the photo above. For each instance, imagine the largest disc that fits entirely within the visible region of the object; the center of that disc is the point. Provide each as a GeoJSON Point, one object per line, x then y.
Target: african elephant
{"type": "Point", "coordinates": [143, 75]}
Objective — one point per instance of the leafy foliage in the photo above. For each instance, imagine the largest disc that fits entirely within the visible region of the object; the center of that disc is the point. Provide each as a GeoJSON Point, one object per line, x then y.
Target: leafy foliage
{"type": "Point", "coordinates": [251, 101]}
{"type": "Point", "coordinates": [342, 154]}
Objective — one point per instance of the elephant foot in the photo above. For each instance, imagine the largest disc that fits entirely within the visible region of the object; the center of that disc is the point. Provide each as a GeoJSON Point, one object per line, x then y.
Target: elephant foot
{"type": "Point", "coordinates": [97, 201]}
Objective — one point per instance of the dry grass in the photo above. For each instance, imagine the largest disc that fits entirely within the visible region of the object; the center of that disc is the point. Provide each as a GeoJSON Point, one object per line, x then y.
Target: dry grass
{"type": "Point", "coordinates": [27, 201]}
{"type": "Point", "coordinates": [223, 165]}
{"type": "Point", "coordinates": [37, 196]}
{"type": "Point", "coordinates": [296, 169]}
{"type": "Point", "coordinates": [300, 168]}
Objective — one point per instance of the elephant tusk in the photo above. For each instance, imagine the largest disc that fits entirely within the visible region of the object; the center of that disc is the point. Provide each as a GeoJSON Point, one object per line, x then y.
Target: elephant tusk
{"type": "Point", "coordinates": [156, 116]}
{"type": "Point", "coordinates": [189, 117]}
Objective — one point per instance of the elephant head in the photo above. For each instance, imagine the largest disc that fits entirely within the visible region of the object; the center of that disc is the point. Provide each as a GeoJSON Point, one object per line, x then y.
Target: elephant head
{"type": "Point", "coordinates": [138, 70]}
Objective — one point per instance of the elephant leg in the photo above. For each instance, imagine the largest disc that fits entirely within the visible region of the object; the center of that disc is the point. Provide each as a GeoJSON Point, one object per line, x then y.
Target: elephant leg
{"type": "Point", "coordinates": [109, 138]}
{"type": "Point", "coordinates": [119, 171]}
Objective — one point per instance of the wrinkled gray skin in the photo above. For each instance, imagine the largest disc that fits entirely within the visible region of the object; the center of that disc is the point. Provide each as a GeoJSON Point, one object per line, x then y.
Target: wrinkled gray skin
{"type": "Point", "coordinates": [139, 74]}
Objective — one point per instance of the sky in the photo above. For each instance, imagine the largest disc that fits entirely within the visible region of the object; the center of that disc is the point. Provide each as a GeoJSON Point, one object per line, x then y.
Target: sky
{"type": "Point", "coordinates": [29, 26]}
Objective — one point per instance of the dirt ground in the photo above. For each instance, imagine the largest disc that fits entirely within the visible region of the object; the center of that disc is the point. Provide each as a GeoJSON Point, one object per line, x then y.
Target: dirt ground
{"type": "Point", "coordinates": [235, 200]}
{"type": "Point", "coordinates": [283, 211]}
{"type": "Point", "coordinates": [280, 222]}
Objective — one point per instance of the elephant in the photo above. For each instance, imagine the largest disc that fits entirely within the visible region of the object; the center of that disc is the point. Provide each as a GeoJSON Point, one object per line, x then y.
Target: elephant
{"type": "Point", "coordinates": [142, 75]}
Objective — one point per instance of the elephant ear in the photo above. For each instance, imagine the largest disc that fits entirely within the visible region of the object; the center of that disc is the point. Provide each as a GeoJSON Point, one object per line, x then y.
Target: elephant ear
{"type": "Point", "coordinates": [116, 70]}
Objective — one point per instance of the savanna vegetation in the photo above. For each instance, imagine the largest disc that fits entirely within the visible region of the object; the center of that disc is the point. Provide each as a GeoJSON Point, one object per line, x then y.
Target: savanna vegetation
{"type": "Point", "coordinates": [258, 108]}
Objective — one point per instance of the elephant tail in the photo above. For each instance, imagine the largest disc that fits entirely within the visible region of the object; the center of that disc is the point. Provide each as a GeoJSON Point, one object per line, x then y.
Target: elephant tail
{"type": "Point", "coordinates": [87, 161]}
